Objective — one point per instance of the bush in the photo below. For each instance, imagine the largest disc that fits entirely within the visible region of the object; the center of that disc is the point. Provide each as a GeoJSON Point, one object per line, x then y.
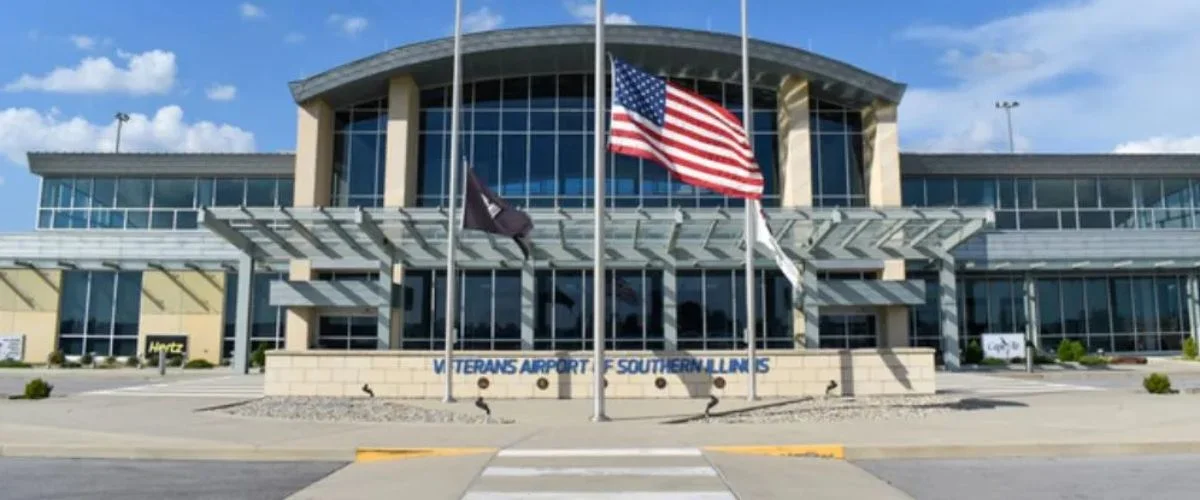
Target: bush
{"type": "Point", "coordinates": [1190, 349]}
{"type": "Point", "coordinates": [86, 359]}
{"type": "Point", "coordinates": [1093, 360]}
{"type": "Point", "coordinates": [973, 354]}
{"type": "Point", "coordinates": [198, 364]}
{"type": "Point", "coordinates": [993, 362]}
{"type": "Point", "coordinates": [110, 360]}
{"type": "Point", "coordinates": [259, 356]}
{"type": "Point", "coordinates": [12, 363]}
{"type": "Point", "coordinates": [1157, 383]}
{"type": "Point", "coordinates": [131, 361]}
{"type": "Point", "coordinates": [56, 358]}
{"type": "Point", "coordinates": [1127, 360]}
{"type": "Point", "coordinates": [38, 389]}
{"type": "Point", "coordinates": [1071, 350]}
{"type": "Point", "coordinates": [71, 364]}
{"type": "Point", "coordinates": [175, 361]}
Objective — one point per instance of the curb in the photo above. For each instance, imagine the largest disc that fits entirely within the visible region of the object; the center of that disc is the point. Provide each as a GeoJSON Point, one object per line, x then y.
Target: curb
{"type": "Point", "coordinates": [1022, 450]}
{"type": "Point", "coordinates": [392, 454]}
{"type": "Point", "coordinates": [248, 454]}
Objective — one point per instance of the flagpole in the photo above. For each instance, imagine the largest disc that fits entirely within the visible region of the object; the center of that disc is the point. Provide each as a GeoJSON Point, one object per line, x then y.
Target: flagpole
{"type": "Point", "coordinates": [598, 276]}
{"type": "Point", "coordinates": [751, 310]}
{"type": "Point", "coordinates": [452, 224]}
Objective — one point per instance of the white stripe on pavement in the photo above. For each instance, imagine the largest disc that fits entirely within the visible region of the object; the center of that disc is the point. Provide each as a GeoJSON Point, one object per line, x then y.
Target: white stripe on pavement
{"type": "Point", "coordinates": [616, 495]}
{"type": "Point", "coordinates": [601, 452]}
{"type": "Point", "coordinates": [600, 471]}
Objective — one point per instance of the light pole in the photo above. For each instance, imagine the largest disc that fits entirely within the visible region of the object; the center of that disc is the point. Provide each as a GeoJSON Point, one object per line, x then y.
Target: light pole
{"type": "Point", "coordinates": [121, 119]}
{"type": "Point", "coordinates": [1008, 106]}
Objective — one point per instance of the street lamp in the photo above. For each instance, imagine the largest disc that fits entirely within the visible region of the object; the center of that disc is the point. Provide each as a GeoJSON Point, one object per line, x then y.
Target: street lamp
{"type": "Point", "coordinates": [121, 119]}
{"type": "Point", "coordinates": [1008, 106]}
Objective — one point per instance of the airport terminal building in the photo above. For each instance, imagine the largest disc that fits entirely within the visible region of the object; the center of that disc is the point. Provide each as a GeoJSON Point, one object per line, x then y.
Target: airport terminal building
{"type": "Point", "coordinates": [335, 255]}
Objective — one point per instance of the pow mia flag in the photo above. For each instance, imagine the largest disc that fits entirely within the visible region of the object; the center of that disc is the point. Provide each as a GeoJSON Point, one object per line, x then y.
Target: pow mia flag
{"type": "Point", "coordinates": [484, 211]}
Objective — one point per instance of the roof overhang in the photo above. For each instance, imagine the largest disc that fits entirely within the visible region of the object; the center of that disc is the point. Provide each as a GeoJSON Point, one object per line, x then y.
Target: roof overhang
{"type": "Point", "coordinates": [122, 251]}
{"type": "Point", "coordinates": [559, 49]}
{"type": "Point", "coordinates": [1048, 164]}
{"type": "Point", "coordinates": [662, 237]}
{"type": "Point", "coordinates": [162, 164]}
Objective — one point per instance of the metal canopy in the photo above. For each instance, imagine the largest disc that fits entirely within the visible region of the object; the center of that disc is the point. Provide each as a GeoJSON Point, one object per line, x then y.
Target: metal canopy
{"type": "Point", "coordinates": [120, 250]}
{"type": "Point", "coordinates": [563, 237]}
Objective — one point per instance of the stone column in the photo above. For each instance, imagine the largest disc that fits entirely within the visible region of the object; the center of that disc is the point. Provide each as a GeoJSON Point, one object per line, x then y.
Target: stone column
{"type": "Point", "coordinates": [245, 305]}
{"type": "Point", "coordinates": [670, 310]}
{"type": "Point", "coordinates": [314, 154]}
{"type": "Point", "coordinates": [301, 321]}
{"type": "Point", "coordinates": [795, 167]}
{"type": "Point", "coordinates": [400, 174]}
{"type": "Point", "coordinates": [881, 162]}
{"type": "Point", "coordinates": [948, 303]}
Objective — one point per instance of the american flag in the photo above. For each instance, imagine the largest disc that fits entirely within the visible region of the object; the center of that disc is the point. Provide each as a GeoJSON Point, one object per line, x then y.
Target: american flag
{"type": "Point", "coordinates": [698, 140]}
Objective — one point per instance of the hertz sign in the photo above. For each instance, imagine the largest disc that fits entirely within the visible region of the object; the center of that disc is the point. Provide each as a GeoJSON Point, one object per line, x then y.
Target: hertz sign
{"type": "Point", "coordinates": [171, 344]}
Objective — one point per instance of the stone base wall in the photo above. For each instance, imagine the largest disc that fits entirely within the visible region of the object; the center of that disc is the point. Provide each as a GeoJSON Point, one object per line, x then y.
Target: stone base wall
{"type": "Point", "coordinates": [400, 374]}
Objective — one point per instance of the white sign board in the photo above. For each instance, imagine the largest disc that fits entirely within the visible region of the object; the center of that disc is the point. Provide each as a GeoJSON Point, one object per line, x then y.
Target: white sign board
{"type": "Point", "coordinates": [12, 347]}
{"type": "Point", "coordinates": [1004, 345]}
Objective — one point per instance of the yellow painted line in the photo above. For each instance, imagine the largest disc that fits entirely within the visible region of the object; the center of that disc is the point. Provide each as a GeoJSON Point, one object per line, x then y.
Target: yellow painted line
{"type": "Point", "coordinates": [383, 454]}
{"type": "Point", "coordinates": [834, 451]}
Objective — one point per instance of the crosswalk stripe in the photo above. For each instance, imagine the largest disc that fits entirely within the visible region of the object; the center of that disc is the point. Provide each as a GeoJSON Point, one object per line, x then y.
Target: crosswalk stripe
{"type": "Point", "coordinates": [615, 495]}
{"type": "Point", "coordinates": [232, 386]}
{"type": "Point", "coordinates": [599, 471]}
{"type": "Point", "coordinates": [601, 452]}
{"type": "Point", "coordinates": [979, 384]}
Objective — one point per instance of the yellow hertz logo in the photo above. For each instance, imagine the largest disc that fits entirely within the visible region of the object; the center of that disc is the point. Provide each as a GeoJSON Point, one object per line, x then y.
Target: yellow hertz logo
{"type": "Point", "coordinates": [168, 347]}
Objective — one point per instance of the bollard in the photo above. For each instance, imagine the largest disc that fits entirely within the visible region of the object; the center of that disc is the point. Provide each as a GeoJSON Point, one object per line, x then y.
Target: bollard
{"type": "Point", "coordinates": [162, 363]}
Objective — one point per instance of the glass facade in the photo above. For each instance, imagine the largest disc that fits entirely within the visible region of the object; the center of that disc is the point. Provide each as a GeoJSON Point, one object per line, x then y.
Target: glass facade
{"type": "Point", "coordinates": [1110, 312]}
{"type": "Point", "coordinates": [150, 202]}
{"type": "Point", "coordinates": [1066, 203]}
{"type": "Point", "coordinates": [268, 324]}
{"type": "Point", "coordinates": [530, 139]}
{"type": "Point", "coordinates": [711, 310]}
{"type": "Point", "coordinates": [837, 156]}
{"type": "Point", "coordinates": [99, 313]}
{"type": "Point", "coordinates": [489, 310]}
{"type": "Point", "coordinates": [359, 154]}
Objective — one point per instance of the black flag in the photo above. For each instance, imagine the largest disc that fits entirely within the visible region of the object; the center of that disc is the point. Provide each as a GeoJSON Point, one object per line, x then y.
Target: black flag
{"type": "Point", "coordinates": [484, 211]}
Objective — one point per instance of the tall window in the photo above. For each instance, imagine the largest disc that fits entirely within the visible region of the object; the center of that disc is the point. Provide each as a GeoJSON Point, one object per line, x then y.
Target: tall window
{"type": "Point", "coordinates": [837, 156]}
{"type": "Point", "coordinates": [489, 310]}
{"type": "Point", "coordinates": [150, 202]}
{"type": "Point", "coordinates": [564, 305]}
{"type": "Point", "coordinates": [1066, 203]}
{"type": "Point", "coordinates": [359, 154]}
{"type": "Point", "coordinates": [530, 139]}
{"type": "Point", "coordinates": [268, 324]}
{"type": "Point", "coordinates": [848, 331]}
{"type": "Point", "coordinates": [100, 312]}
{"type": "Point", "coordinates": [711, 310]}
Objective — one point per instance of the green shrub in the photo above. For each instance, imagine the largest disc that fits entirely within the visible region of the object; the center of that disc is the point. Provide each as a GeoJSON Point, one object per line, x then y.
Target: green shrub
{"type": "Point", "coordinates": [131, 361]}
{"type": "Point", "coordinates": [259, 356]}
{"type": "Point", "coordinates": [198, 363]}
{"type": "Point", "coordinates": [1157, 383]}
{"type": "Point", "coordinates": [38, 389]}
{"type": "Point", "coordinates": [13, 363]}
{"type": "Point", "coordinates": [973, 354]}
{"type": "Point", "coordinates": [993, 362]}
{"type": "Point", "coordinates": [174, 361]}
{"type": "Point", "coordinates": [71, 364]}
{"type": "Point", "coordinates": [56, 358]}
{"type": "Point", "coordinates": [110, 360]}
{"type": "Point", "coordinates": [1071, 350]}
{"type": "Point", "coordinates": [1093, 360]}
{"type": "Point", "coordinates": [86, 359]}
{"type": "Point", "coordinates": [1190, 349]}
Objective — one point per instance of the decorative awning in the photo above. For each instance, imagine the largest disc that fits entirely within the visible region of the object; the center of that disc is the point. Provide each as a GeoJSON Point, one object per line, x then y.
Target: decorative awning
{"type": "Point", "coordinates": [563, 237]}
{"type": "Point", "coordinates": [119, 250]}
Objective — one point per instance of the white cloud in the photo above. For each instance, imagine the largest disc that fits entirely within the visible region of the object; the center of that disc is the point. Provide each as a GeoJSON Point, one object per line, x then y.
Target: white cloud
{"type": "Point", "coordinates": [349, 25]}
{"type": "Point", "coordinates": [1161, 145]}
{"type": "Point", "coordinates": [251, 11]}
{"type": "Point", "coordinates": [1089, 75]}
{"type": "Point", "coordinates": [293, 37]}
{"type": "Point", "coordinates": [481, 20]}
{"type": "Point", "coordinates": [585, 12]}
{"type": "Point", "coordinates": [83, 42]}
{"type": "Point", "coordinates": [150, 72]}
{"type": "Point", "coordinates": [218, 92]}
{"type": "Point", "coordinates": [27, 129]}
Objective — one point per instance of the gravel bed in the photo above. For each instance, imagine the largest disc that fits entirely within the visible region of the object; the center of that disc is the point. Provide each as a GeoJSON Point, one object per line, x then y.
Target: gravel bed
{"type": "Point", "coordinates": [823, 410]}
{"type": "Point", "coordinates": [331, 409]}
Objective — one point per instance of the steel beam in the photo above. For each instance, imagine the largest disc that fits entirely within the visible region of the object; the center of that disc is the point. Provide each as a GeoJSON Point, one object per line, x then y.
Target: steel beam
{"type": "Point", "coordinates": [270, 234]}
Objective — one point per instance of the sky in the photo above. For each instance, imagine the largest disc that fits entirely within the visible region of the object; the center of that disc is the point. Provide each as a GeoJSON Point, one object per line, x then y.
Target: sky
{"type": "Point", "coordinates": [1093, 76]}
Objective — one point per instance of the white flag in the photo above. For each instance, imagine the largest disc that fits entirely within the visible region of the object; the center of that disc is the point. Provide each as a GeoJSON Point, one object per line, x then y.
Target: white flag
{"type": "Point", "coordinates": [763, 236]}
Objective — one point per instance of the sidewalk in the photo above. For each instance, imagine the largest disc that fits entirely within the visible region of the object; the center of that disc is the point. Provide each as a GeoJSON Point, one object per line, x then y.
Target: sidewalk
{"type": "Point", "coordinates": [1105, 422]}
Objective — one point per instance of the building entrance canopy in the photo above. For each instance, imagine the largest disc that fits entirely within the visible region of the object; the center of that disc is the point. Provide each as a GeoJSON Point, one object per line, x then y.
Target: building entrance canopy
{"type": "Point", "coordinates": [562, 238]}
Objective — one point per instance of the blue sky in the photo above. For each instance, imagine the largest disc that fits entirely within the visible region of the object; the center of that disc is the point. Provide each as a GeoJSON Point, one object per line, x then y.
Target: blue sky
{"type": "Point", "coordinates": [1092, 75]}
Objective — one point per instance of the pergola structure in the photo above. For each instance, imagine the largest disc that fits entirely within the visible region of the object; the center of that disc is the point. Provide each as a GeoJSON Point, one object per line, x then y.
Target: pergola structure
{"type": "Point", "coordinates": [666, 238]}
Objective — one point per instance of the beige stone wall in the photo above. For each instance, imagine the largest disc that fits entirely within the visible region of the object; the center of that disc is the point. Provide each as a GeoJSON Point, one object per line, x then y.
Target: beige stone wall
{"type": "Point", "coordinates": [882, 160]}
{"type": "Point", "coordinates": [301, 321]}
{"type": "Point", "coordinates": [400, 176]}
{"type": "Point", "coordinates": [795, 159]}
{"type": "Point", "coordinates": [314, 154]}
{"type": "Point", "coordinates": [29, 301]}
{"type": "Point", "coordinates": [184, 303]}
{"type": "Point", "coordinates": [411, 375]}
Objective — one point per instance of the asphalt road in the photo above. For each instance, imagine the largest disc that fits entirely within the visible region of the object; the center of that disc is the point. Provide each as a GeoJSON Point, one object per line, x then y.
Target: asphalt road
{"type": "Point", "coordinates": [59, 479]}
{"type": "Point", "coordinates": [1108, 478]}
{"type": "Point", "coordinates": [75, 381]}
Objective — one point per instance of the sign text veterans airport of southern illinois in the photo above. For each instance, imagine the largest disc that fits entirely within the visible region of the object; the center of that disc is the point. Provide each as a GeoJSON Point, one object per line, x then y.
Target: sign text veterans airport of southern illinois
{"type": "Point", "coordinates": [619, 366]}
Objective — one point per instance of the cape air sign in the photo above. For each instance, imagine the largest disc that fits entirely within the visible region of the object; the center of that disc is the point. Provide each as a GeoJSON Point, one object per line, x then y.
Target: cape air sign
{"type": "Point", "coordinates": [619, 366]}
{"type": "Point", "coordinates": [12, 347]}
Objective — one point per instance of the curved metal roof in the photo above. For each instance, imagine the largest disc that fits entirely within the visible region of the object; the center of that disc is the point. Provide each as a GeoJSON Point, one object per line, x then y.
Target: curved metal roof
{"type": "Point", "coordinates": [671, 51]}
